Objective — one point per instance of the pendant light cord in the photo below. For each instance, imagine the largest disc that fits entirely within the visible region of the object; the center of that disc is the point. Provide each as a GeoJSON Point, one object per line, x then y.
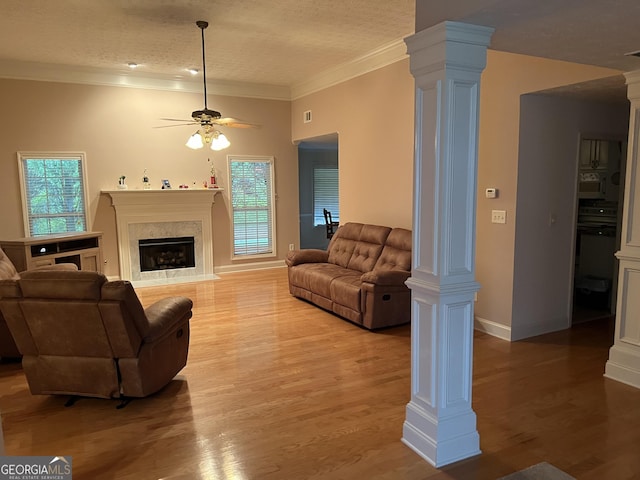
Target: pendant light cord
{"type": "Point", "coordinates": [202, 24]}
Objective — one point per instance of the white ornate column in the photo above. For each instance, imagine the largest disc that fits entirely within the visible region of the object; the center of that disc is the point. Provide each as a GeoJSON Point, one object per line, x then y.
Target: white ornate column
{"type": "Point", "coordinates": [624, 356]}
{"type": "Point", "coordinates": [446, 61]}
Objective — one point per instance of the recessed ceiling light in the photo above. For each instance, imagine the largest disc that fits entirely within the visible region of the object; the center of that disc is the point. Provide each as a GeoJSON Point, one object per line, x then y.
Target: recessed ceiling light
{"type": "Point", "coordinates": [193, 71]}
{"type": "Point", "coordinates": [132, 65]}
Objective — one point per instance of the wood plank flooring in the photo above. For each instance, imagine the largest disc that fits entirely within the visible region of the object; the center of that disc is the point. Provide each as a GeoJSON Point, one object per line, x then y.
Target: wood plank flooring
{"type": "Point", "coordinates": [276, 388]}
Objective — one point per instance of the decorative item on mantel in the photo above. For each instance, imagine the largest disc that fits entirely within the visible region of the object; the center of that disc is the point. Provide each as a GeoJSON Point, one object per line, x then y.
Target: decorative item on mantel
{"type": "Point", "coordinates": [214, 180]}
{"type": "Point", "coordinates": [145, 181]}
{"type": "Point", "coordinates": [121, 183]}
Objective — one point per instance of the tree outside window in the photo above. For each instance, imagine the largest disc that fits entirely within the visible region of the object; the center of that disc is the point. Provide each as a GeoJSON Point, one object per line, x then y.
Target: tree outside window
{"type": "Point", "coordinates": [53, 192]}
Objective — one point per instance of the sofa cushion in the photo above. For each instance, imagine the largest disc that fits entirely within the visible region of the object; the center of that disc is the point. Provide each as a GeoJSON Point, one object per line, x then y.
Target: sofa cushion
{"type": "Point", "coordinates": [62, 284]}
{"type": "Point", "coordinates": [368, 248]}
{"type": "Point", "coordinates": [396, 254]}
{"type": "Point", "coordinates": [317, 277]}
{"type": "Point", "coordinates": [343, 243]}
{"type": "Point", "coordinates": [7, 270]}
{"type": "Point", "coordinates": [345, 291]}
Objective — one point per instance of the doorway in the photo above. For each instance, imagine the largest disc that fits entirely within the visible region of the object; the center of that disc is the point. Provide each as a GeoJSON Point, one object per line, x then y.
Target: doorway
{"type": "Point", "coordinates": [318, 182]}
{"type": "Point", "coordinates": [598, 226]}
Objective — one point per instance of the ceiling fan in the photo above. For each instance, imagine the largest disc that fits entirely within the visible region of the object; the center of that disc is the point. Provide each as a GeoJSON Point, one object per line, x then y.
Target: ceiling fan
{"type": "Point", "coordinates": [207, 118]}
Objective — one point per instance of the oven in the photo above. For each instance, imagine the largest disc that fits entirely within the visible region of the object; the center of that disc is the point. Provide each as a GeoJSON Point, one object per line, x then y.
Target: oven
{"type": "Point", "coordinates": [595, 252]}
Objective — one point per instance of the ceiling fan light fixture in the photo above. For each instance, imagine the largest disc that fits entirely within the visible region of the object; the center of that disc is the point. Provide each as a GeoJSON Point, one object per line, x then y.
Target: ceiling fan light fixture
{"type": "Point", "coordinates": [219, 141]}
{"type": "Point", "coordinates": [195, 141]}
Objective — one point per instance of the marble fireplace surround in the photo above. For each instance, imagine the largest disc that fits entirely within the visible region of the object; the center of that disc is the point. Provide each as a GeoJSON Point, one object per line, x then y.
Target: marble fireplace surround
{"type": "Point", "coordinates": [142, 214]}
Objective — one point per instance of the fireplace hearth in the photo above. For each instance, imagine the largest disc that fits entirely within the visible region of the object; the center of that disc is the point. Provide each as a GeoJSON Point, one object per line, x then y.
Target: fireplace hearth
{"type": "Point", "coordinates": [166, 253]}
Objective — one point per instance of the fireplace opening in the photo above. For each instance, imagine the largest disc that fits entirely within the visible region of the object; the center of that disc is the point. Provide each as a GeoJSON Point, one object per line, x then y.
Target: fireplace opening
{"type": "Point", "coordinates": [166, 253]}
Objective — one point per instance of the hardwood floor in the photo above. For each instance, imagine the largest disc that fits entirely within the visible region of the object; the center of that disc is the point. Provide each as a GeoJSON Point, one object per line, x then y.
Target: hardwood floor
{"type": "Point", "coordinates": [276, 388]}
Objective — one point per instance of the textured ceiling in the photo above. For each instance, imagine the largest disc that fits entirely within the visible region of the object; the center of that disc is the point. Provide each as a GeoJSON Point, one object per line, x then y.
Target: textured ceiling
{"type": "Point", "coordinates": [275, 42]}
{"type": "Point", "coordinates": [593, 32]}
{"type": "Point", "coordinates": [288, 42]}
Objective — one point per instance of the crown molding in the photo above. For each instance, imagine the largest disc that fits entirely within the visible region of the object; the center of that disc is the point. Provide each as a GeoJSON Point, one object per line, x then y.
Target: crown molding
{"type": "Point", "coordinates": [378, 58]}
{"type": "Point", "coordinates": [136, 79]}
{"type": "Point", "coordinates": [381, 57]}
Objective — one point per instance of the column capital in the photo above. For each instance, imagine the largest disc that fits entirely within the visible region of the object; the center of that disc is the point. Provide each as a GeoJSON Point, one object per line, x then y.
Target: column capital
{"type": "Point", "coordinates": [449, 45]}
{"type": "Point", "coordinates": [633, 84]}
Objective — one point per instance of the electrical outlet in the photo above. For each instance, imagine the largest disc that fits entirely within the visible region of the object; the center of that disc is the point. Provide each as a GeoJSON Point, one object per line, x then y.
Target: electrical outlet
{"type": "Point", "coordinates": [498, 216]}
{"type": "Point", "coordinates": [292, 246]}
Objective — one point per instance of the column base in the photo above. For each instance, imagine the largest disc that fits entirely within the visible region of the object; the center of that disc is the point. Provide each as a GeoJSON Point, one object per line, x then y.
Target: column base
{"type": "Point", "coordinates": [624, 365]}
{"type": "Point", "coordinates": [441, 441]}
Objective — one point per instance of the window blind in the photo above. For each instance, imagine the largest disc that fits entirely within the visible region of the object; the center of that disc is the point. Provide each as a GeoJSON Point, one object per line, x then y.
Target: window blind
{"type": "Point", "coordinates": [252, 205]}
{"type": "Point", "coordinates": [325, 194]}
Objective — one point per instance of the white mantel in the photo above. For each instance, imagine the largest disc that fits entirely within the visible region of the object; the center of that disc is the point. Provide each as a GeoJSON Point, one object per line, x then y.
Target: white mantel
{"type": "Point", "coordinates": [154, 209]}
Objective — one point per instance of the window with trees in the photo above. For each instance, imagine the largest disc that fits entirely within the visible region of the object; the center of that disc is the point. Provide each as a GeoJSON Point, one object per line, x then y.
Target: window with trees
{"type": "Point", "coordinates": [53, 192]}
{"type": "Point", "coordinates": [253, 205]}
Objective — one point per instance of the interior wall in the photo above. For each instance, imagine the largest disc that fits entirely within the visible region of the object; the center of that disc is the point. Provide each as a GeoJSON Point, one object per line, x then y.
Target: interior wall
{"type": "Point", "coordinates": [373, 115]}
{"type": "Point", "coordinates": [506, 78]}
{"type": "Point", "coordinates": [114, 127]}
{"type": "Point", "coordinates": [312, 236]}
{"type": "Point", "coordinates": [546, 199]}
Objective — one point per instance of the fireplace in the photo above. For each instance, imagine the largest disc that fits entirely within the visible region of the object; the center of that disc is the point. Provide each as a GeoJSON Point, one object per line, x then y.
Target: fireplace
{"type": "Point", "coordinates": [166, 253]}
{"type": "Point", "coordinates": [160, 215]}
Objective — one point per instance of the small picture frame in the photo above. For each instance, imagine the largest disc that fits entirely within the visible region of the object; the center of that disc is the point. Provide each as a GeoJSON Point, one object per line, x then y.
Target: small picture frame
{"type": "Point", "coordinates": [166, 185]}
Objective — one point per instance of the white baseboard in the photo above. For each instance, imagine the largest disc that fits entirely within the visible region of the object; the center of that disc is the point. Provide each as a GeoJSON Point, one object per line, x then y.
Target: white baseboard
{"type": "Point", "coordinates": [174, 280]}
{"type": "Point", "coordinates": [244, 267]}
{"type": "Point", "coordinates": [492, 328]}
{"type": "Point", "coordinates": [538, 328]}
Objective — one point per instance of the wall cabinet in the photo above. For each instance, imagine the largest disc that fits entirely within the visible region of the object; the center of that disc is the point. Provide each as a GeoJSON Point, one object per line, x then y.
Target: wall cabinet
{"type": "Point", "coordinates": [82, 248]}
{"type": "Point", "coordinates": [594, 154]}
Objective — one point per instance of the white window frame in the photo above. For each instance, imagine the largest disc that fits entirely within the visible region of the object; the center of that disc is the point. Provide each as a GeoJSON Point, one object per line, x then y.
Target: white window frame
{"type": "Point", "coordinates": [23, 156]}
{"type": "Point", "coordinates": [272, 199]}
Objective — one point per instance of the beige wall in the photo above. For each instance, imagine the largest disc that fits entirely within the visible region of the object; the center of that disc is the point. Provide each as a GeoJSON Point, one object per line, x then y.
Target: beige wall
{"type": "Point", "coordinates": [373, 115]}
{"type": "Point", "coordinates": [547, 199]}
{"type": "Point", "coordinates": [113, 126]}
{"type": "Point", "coordinates": [506, 78]}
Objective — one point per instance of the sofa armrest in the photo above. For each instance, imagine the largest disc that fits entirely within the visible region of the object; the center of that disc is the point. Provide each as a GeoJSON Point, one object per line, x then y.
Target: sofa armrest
{"type": "Point", "coordinates": [386, 277]}
{"type": "Point", "coordinates": [166, 314]}
{"type": "Point", "coordinates": [307, 255]}
{"type": "Point", "coordinates": [57, 267]}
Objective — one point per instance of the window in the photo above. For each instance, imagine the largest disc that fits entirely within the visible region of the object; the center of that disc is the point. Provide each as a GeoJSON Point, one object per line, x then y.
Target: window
{"type": "Point", "coordinates": [252, 204]}
{"type": "Point", "coordinates": [53, 192]}
{"type": "Point", "coordinates": [325, 194]}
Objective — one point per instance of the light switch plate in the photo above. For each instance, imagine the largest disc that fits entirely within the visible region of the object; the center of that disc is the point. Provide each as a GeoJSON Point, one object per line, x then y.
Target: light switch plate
{"type": "Point", "coordinates": [498, 216]}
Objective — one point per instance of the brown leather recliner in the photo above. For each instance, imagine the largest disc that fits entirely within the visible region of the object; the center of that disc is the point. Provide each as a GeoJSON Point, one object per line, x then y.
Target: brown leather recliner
{"type": "Point", "coordinates": [8, 347]}
{"type": "Point", "coordinates": [80, 334]}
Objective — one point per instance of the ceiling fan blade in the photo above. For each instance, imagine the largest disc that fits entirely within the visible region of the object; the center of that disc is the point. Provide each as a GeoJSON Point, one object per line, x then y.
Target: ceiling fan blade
{"type": "Point", "coordinates": [177, 124]}
{"type": "Point", "coordinates": [233, 122]}
{"type": "Point", "coordinates": [177, 119]}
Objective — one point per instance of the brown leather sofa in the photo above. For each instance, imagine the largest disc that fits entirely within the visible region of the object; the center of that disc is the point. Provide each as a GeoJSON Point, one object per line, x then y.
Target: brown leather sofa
{"type": "Point", "coordinates": [80, 334]}
{"type": "Point", "coordinates": [361, 276]}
